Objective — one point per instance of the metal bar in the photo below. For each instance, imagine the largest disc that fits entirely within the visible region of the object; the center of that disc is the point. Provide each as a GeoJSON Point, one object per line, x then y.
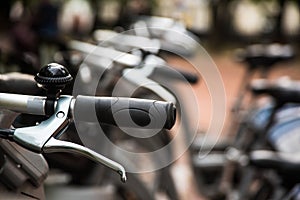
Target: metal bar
{"type": "Point", "coordinates": [23, 103]}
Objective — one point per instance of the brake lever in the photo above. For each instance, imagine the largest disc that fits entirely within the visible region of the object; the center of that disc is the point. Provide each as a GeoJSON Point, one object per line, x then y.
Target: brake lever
{"type": "Point", "coordinates": [54, 145]}
{"type": "Point", "coordinates": [42, 138]}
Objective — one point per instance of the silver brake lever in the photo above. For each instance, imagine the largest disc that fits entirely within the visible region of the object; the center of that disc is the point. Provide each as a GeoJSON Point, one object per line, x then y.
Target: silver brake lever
{"type": "Point", "coordinates": [54, 145]}
{"type": "Point", "coordinates": [41, 138]}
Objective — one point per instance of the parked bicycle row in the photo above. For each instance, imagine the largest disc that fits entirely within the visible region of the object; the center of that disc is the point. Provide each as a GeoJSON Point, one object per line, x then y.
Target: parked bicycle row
{"type": "Point", "coordinates": [96, 69]}
{"type": "Point", "coordinates": [259, 160]}
{"type": "Point", "coordinates": [103, 105]}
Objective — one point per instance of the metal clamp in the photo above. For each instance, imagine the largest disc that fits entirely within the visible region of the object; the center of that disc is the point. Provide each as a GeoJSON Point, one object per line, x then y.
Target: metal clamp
{"type": "Point", "coordinates": [42, 138]}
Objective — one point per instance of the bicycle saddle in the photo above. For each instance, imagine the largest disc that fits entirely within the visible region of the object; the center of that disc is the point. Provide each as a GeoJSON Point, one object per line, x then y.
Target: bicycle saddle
{"type": "Point", "coordinates": [283, 90]}
{"type": "Point", "coordinates": [279, 161]}
{"type": "Point", "coordinates": [265, 55]}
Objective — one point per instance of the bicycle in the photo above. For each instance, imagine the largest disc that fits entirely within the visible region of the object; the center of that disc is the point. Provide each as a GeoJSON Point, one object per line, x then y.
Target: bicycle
{"type": "Point", "coordinates": [128, 76]}
{"type": "Point", "coordinates": [61, 110]}
{"type": "Point", "coordinates": [214, 172]}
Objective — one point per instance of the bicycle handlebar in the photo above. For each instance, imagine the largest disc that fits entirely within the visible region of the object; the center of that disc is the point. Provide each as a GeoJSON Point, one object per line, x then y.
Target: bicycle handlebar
{"type": "Point", "coordinates": [42, 138]}
{"type": "Point", "coordinates": [23, 103]}
{"type": "Point", "coordinates": [112, 54]}
{"type": "Point", "coordinates": [157, 67]}
{"type": "Point", "coordinates": [125, 40]}
{"type": "Point", "coordinates": [176, 74]}
{"type": "Point", "coordinates": [126, 112]}
{"type": "Point", "coordinates": [123, 112]}
{"type": "Point", "coordinates": [11, 82]}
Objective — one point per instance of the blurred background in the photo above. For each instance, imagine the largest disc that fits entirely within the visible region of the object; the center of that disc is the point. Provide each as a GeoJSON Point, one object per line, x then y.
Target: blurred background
{"type": "Point", "coordinates": [216, 22]}
{"type": "Point", "coordinates": [222, 26]}
{"type": "Point", "coordinates": [35, 30]}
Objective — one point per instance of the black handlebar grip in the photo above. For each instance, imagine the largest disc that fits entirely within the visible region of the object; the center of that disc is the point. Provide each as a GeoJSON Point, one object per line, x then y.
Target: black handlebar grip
{"type": "Point", "coordinates": [19, 83]}
{"type": "Point", "coordinates": [170, 73]}
{"type": "Point", "coordinates": [126, 112]}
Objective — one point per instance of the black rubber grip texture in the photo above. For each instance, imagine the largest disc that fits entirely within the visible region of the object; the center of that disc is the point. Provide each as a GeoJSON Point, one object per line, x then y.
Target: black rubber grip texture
{"type": "Point", "coordinates": [125, 112]}
{"type": "Point", "coordinates": [170, 73]}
